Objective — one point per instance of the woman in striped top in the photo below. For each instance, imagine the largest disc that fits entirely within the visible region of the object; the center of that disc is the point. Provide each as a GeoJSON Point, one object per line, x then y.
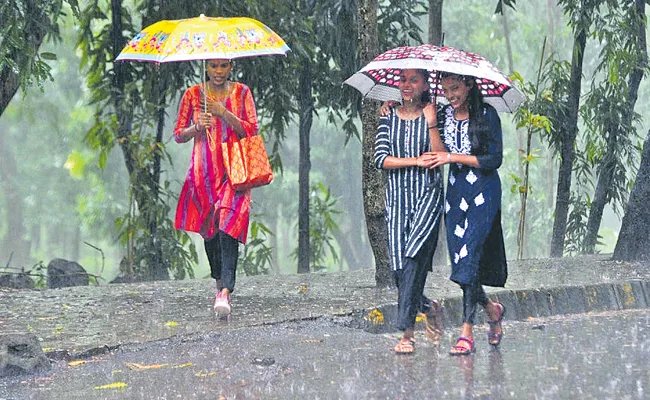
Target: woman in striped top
{"type": "Point", "coordinates": [414, 199]}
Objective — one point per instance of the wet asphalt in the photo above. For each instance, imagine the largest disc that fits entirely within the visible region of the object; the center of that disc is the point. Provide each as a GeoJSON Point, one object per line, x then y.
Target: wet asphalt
{"type": "Point", "coordinates": [582, 356]}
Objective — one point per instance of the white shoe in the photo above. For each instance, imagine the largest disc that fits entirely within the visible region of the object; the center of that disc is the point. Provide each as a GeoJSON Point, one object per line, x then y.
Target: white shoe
{"type": "Point", "coordinates": [222, 305]}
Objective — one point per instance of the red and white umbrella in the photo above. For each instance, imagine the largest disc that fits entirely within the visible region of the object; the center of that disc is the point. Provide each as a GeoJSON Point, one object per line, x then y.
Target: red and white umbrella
{"type": "Point", "coordinates": [380, 78]}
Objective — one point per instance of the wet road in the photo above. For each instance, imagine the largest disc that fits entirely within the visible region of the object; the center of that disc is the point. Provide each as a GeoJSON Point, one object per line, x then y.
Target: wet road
{"type": "Point", "coordinates": [585, 356]}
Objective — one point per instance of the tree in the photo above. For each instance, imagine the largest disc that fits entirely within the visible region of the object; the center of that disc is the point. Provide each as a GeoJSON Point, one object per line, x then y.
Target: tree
{"type": "Point", "coordinates": [569, 126]}
{"type": "Point", "coordinates": [634, 237]}
{"type": "Point", "coordinates": [372, 180]}
{"type": "Point", "coordinates": [27, 23]}
{"type": "Point", "coordinates": [129, 99]}
{"type": "Point", "coordinates": [435, 22]}
{"type": "Point", "coordinates": [624, 55]}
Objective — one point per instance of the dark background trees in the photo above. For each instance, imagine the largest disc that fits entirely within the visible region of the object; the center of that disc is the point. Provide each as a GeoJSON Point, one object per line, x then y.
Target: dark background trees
{"type": "Point", "coordinates": [123, 200]}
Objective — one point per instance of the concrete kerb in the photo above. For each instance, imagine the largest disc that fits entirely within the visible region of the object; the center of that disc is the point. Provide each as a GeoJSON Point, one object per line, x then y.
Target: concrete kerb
{"type": "Point", "coordinates": [527, 303]}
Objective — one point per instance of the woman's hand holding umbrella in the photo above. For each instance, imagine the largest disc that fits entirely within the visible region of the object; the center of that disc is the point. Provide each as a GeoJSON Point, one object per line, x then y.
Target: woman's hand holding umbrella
{"type": "Point", "coordinates": [214, 107]}
{"type": "Point", "coordinates": [204, 120]}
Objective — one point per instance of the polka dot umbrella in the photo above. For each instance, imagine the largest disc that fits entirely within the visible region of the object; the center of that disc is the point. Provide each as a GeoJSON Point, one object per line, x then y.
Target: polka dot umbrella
{"type": "Point", "coordinates": [380, 78]}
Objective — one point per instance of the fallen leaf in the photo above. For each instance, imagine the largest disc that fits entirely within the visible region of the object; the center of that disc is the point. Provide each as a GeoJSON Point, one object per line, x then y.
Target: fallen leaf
{"type": "Point", "coordinates": [114, 385]}
{"type": "Point", "coordinates": [375, 317]}
{"type": "Point", "coordinates": [313, 341]}
{"type": "Point", "coordinates": [76, 362]}
{"type": "Point", "coordinates": [171, 324]}
{"type": "Point", "coordinates": [140, 367]}
{"type": "Point", "coordinates": [204, 374]}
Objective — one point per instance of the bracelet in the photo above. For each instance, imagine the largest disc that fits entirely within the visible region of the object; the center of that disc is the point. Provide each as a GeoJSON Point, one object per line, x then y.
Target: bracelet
{"type": "Point", "coordinates": [448, 157]}
{"type": "Point", "coordinates": [196, 128]}
{"type": "Point", "coordinates": [433, 127]}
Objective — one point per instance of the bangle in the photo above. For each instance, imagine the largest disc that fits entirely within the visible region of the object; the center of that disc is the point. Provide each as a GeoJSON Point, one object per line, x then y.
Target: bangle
{"type": "Point", "coordinates": [433, 127]}
{"type": "Point", "coordinates": [448, 157]}
{"type": "Point", "coordinates": [196, 128]}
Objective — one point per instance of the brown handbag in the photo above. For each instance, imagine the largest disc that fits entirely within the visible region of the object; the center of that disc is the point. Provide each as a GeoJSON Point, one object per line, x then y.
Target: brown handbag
{"type": "Point", "coordinates": [246, 162]}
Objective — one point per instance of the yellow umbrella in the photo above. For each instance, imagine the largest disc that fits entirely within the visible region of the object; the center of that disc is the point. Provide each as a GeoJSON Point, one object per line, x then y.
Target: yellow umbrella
{"type": "Point", "coordinates": [203, 38]}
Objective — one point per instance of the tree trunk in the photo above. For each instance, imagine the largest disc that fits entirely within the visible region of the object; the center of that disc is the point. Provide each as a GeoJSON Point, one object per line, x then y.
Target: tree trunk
{"type": "Point", "coordinates": [435, 38]}
{"type": "Point", "coordinates": [159, 266]}
{"type": "Point", "coordinates": [601, 195]}
{"type": "Point", "coordinates": [123, 111]}
{"type": "Point", "coordinates": [304, 165]}
{"type": "Point", "coordinates": [435, 22]}
{"type": "Point", "coordinates": [634, 237]}
{"type": "Point", "coordinates": [14, 245]}
{"type": "Point", "coordinates": [551, 6]}
{"type": "Point", "coordinates": [373, 185]}
{"type": "Point", "coordinates": [569, 132]}
{"type": "Point", "coordinates": [606, 176]}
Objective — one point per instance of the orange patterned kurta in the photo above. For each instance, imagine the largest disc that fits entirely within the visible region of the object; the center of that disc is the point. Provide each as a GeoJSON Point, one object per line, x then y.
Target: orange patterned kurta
{"type": "Point", "coordinates": [207, 195]}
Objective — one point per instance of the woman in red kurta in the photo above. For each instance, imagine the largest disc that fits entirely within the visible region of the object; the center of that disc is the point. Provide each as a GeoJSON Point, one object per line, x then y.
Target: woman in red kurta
{"type": "Point", "coordinates": [208, 204]}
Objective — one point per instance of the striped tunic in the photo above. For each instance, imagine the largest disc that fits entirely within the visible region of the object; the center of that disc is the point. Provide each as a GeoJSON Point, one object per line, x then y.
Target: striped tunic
{"type": "Point", "coordinates": [414, 195]}
{"type": "Point", "coordinates": [207, 195]}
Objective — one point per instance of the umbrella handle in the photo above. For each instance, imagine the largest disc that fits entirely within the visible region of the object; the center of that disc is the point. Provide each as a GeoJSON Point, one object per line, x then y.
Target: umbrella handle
{"type": "Point", "coordinates": [205, 99]}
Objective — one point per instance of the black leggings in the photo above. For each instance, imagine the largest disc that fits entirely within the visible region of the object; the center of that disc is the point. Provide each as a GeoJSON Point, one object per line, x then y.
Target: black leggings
{"type": "Point", "coordinates": [472, 295]}
{"type": "Point", "coordinates": [222, 251]}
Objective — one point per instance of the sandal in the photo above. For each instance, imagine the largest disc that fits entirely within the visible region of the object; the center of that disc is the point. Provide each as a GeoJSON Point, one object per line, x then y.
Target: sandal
{"type": "Point", "coordinates": [460, 350]}
{"type": "Point", "coordinates": [405, 346]}
{"type": "Point", "coordinates": [433, 322]}
{"type": "Point", "coordinates": [495, 338]}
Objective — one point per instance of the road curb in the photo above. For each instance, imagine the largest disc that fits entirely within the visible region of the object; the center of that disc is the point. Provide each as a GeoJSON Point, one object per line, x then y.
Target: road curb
{"type": "Point", "coordinates": [527, 303]}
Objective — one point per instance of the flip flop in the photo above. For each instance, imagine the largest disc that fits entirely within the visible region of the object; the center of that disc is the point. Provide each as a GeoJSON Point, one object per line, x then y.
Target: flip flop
{"type": "Point", "coordinates": [458, 350]}
{"type": "Point", "coordinates": [405, 346]}
{"type": "Point", "coordinates": [494, 339]}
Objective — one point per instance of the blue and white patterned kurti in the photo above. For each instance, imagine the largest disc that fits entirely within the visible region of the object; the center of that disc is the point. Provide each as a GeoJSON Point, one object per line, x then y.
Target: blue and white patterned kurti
{"type": "Point", "coordinates": [414, 195]}
{"type": "Point", "coordinates": [473, 203]}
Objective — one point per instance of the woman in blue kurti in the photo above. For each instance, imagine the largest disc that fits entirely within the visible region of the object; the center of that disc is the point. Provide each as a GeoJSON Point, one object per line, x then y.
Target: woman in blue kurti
{"type": "Point", "coordinates": [414, 197]}
{"type": "Point", "coordinates": [471, 132]}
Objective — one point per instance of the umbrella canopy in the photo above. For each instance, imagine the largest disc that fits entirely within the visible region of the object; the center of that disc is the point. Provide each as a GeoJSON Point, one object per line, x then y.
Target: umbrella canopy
{"type": "Point", "coordinates": [380, 78]}
{"type": "Point", "coordinates": [203, 38]}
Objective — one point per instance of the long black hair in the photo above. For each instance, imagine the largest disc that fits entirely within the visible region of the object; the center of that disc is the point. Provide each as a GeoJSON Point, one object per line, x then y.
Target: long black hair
{"type": "Point", "coordinates": [426, 95]}
{"type": "Point", "coordinates": [478, 123]}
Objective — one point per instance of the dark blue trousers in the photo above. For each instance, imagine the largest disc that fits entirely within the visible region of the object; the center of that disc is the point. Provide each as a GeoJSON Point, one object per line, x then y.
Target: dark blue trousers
{"type": "Point", "coordinates": [410, 282]}
{"type": "Point", "coordinates": [222, 251]}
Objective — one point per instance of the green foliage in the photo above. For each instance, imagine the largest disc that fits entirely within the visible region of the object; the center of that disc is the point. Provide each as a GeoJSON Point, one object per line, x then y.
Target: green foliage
{"type": "Point", "coordinates": [39, 270]}
{"type": "Point", "coordinates": [507, 3]}
{"type": "Point", "coordinates": [576, 224]}
{"type": "Point", "coordinates": [152, 242]}
{"type": "Point", "coordinates": [257, 257]}
{"type": "Point", "coordinates": [25, 25]}
{"type": "Point", "coordinates": [526, 117]}
{"type": "Point", "coordinates": [322, 212]}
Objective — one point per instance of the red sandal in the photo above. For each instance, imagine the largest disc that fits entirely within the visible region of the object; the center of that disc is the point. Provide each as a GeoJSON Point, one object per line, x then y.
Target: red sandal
{"type": "Point", "coordinates": [460, 350]}
{"type": "Point", "coordinates": [405, 346]}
